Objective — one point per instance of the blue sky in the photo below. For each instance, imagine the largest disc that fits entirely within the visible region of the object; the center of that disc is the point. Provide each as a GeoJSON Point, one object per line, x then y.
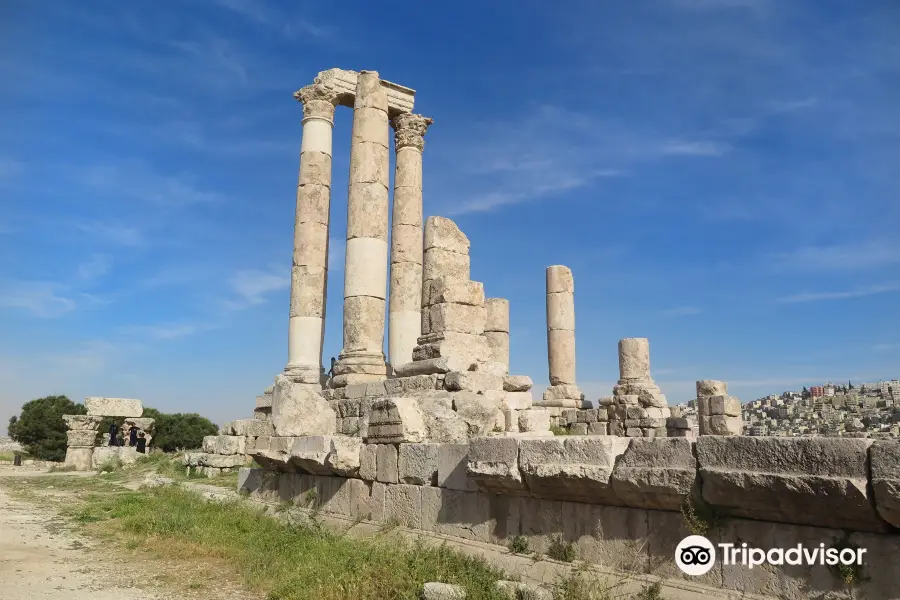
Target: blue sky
{"type": "Point", "coordinates": [721, 176]}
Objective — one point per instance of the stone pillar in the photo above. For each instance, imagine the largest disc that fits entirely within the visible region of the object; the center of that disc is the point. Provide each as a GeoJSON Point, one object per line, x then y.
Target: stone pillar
{"type": "Point", "coordinates": [366, 263]}
{"type": "Point", "coordinates": [717, 412]}
{"type": "Point", "coordinates": [561, 339]}
{"type": "Point", "coordinates": [634, 359]}
{"type": "Point", "coordinates": [405, 308]}
{"type": "Point", "coordinates": [81, 438]}
{"type": "Point", "coordinates": [309, 269]}
{"type": "Point", "coordinates": [496, 330]}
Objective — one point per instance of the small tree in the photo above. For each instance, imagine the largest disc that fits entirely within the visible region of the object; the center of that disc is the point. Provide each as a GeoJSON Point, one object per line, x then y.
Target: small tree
{"type": "Point", "coordinates": [179, 431]}
{"type": "Point", "coordinates": [40, 427]}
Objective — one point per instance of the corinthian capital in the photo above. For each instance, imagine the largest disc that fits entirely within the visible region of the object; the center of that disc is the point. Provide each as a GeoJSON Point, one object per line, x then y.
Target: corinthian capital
{"type": "Point", "coordinates": [409, 130]}
{"type": "Point", "coordinates": [318, 101]}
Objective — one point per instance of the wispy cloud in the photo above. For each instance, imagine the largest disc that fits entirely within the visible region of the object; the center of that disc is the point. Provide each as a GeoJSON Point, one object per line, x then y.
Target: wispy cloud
{"type": "Point", "coordinates": [137, 181]}
{"type": "Point", "coordinates": [94, 267]}
{"type": "Point", "coordinates": [695, 148]}
{"type": "Point", "coordinates": [843, 295]}
{"type": "Point", "coordinates": [252, 287]}
{"type": "Point", "coordinates": [164, 332]}
{"type": "Point", "coordinates": [787, 106]}
{"type": "Point", "coordinates": [681, 311]}
{"type": "Point", "coordinates": [861, 255]}
{"type": "Point", "coordinates": [113, 232]}
{"type": "Point", "coordinates": [290, 27]}
{"type": "Point", "coordinates": [41, 299]}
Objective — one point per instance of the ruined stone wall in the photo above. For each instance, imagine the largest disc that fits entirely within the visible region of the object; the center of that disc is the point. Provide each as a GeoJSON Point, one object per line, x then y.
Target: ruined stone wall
{"type": "Point", "coordinates": [620, 500]}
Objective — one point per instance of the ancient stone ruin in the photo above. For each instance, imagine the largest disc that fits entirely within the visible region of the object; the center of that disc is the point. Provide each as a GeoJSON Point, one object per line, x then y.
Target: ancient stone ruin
{"type": "Point", "coordinates": [84, 451]}
{"type": "Point", "coordinates": [440, 437]}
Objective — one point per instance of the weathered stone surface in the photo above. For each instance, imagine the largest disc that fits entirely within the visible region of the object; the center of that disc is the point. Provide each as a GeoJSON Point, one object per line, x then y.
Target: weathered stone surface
{"type": "Point", "coordinates": [344, 457]}
{"type": "Point", "coordinates": [576, 468]}
{"type": "Point", "coordinates": [578, 429]}
{"type": "Point", "coordinates": [452, 464]}
{"type": "Point", "coordinates": [429, 366]}
{"type": "Point", "coordinates": [560, 279]}
{"type": "Point", "coordinates": [494, 465]}
{"type": "Point", "coordinates": [711, 387]}
{"type": "Point", "coordinates": [439, 262]}
{"type": "Point", "coordinates": [456, 291]}
{"type": "Point", "coordinates": [566, 396]}
{"type": "Point", "coordinates": [598, 428]}
{"type": "Point", "coordinates": [80, 458]}
{"type": "Point", "coordinates": [464, 349]}
{"type": "Point", "coordinates": [492, 367]}
{"type": "Point", "coordinates": [634, 358]}
{"type": "Point", "coordinates": [517, 383]}
{"type": "Point", "coordinates": [105, 454]}
{"type": "Point", "coordinates": [368, 462]}
{"type": "Point", "coordinates": [722, 425]}
{"type": "Point", "coordinates": [516, 400]}
{"type": "Point", "coordinates": [885, 460]}
{"type": "Point", "coordinates": [813, 481]}
{"type": "Point", "coordinates": [395, 420]}
{"type": "Point", "coordinates": [725, 405]}
{"type": "Point", "coordinates": [534, 420]}
{"type": "Point", "coordinates": [460, 318]}
{"type": "Point", "coordinates": [403, 505]}
{"type": "Point", "coordinates": [442, 591]}
{"type": "Point", "coordinates": [418, 464]}
{"type": "Point", "coordinates": [231, 444]}
{"type": "Point", "coordinates": [143, 423]}
{"type": "Point", "coordinates": [310, 452]}
{"type": "Point", "coordinates": [656, 473]}
{"type": "Point", "coordinates": [82, 422]}
{"type": "Point", "coordinates": [209, 443]}
{"type": "Point", "coordinates": [81, 438]}
{"type": "Point", "coordinates": [443, 424]}
{"type": "Point", "coordinates": [386, 463]}
{"type": "Point", "coordinates": [472, 381]}
{"type": "Point", "coordinates": [441, 232]}
{"type": "Point", "coordinates": [479, 412]}
{"type": "Point", "coordinates": [113, 407]}
{"type": "Point", "coordinates": [298, 410]}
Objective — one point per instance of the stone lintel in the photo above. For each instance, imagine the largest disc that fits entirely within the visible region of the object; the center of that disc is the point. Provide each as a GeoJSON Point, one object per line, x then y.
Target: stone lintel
{"type": "Point", "coordinates": [400, 98]}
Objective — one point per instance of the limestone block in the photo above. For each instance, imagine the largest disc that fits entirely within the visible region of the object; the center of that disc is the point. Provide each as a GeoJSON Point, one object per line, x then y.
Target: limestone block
{"type": "Point", "coordinates": [575, 468]}
{"type": "Point", "coordinates": [677, 423]}
{"type": "Point", "coordinates": [634, 358]}
{"type": "Point", "coordinates": [516, 400]}
{"type": "Point", "coordinates": [298, 410]}
{"type": "Point", "coordinates": [464, 348]}
{"type": "Point", "coordinates": [368, 460]}
{"type": "Point", "coordinates": [616, 428]}
{"type": "Point", "coordinates": [81, 458]}
{"type": "Point", "coordinates": [497, 319]}
{"type": "Point", "coordinates": [344, 456]}
{"type": "Point", "coordinates": [472, 381]}
{"type": "Point", "coordinates": [599, 428]}
{"type": "Point", "coordinates": [81, 438]}
{"type": "Point", "coordinates": [264, 401]}
{"type": "Point", "coordinates": [311, 245]}
{"type": "Point", "coordinates": [652, 398]}
{"type": "Point", "coordinates": [479, 412]}
{"type": "Point", "coordinates": [724, 405]}
{"type": "Point", "coordinates": [885, 460]}
{"type": "Point", "coordinates": [442, 591]}
{"type": "Point", "coordinates": [517, 383]}
{"type": "Point", "coordinates": [709, 387]}
{"type": "Point", "coordinates": [447, 290]}
{"type": "Point", "coordinates": [444, 234]}
{"type": "Point", "coordinates": [124, 454]}
{"type": "Point", "coordinates": [113, 407]}
{"type": "Point", "coordinates": [231, 444]}
{"type": "Point", "coordinates": [82, 422]}
{"type": "Point", "coordinates": [534, 419]}
{"type": "Point", "coordinates": [586, 416]}
{"type": "Point", "coordinates": [386, 464]}
{"type": "Point", "coordinates": [498, 348]}
{"type": "Point", "coordinates": [813, 481]}
{"type": "Point", "coordinates": [313, 203]}
{"type": "Point", "coordinates": [494, 465]}
{"type": "Point", "coordinates": [656, 473]}
{"type": "Point", "coordinates": [418, 464]}
{"type": "Point", "coordinates": [722, 425]}
{"type": "Point", "coordinates": [309, 454]}
{"type": "Point", "coordinates": [578, 429]}
{"type": "Point", "coordinates": [560, 279]}
{"type": "Point", "coordinates": [460, 318]}
{"type": "Point", "coordinates": [209, 443]}
{"type": "Point", "coordinates": [143, 423]}
{"type": "Point", "coordinates": [315, 168]}
{"type": "Point", "coordinates": [395, 420]}
{"type": "Point", "coordinates": [262, 442]}
{"type": "Point", "coordinates": [566, 396]}
{"type": "Point", "coordinates": [491, 367]}
{"type": "Point", "coordinates": [561, 311]}
{"type": "Point", "coordinates": [444, 263]}
{"type": "Point", "coordinates": [452, 462]}
{"type": "Point", "coordinates": [561, 354]}
{"type": "Point", "coordinates": [307, 296]}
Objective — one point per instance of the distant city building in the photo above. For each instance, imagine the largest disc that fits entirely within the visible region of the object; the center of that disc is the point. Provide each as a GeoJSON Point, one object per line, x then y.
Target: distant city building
{"type": "Point", "coordinates": [817, 391]}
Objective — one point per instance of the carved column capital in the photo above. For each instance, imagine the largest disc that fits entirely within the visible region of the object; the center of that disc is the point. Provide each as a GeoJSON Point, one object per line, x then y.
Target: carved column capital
{"type": "Point", "coordinates": [409, 130]}
{"type": "Point", "coordinates": [318, 101]}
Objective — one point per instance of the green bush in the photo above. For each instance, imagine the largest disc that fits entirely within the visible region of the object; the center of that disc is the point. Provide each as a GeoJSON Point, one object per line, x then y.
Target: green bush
{"type": "Point", "coordinates": [40, 427]}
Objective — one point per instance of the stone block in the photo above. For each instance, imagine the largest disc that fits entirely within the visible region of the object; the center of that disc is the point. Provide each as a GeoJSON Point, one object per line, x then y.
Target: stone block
{"type": "Point", "coordinates": [298, 410]}
{"type": "Point", "coordinates": [656, 474]}
{"type": "Point", "coordinates": [565, 396]}
{"type": "Point", "coordinates": [262, 442]}
{"type": "Point", "coordinates": [598, 428]}
{"type": "Point", "coordinates": [616, 427]}
{"type": "Point", "coordinates": [456, 291]}
{"type": "Point", "coordinates": [457, 513]}
{"type": "Point", "coordinates": [231, 444]}
{"type": "Point", "coordinates": [439, 262]}
{"type": "Point", "coordinates": [560, 279]}
{"type": "Point", "coordinates": [443, 424]}
{"type": "Point", "coordinates": [516, 400]}
{"type": "Point", "coordinates": [634, 432]}
{"type": "Point", "coordinates": [578, 429]}
{"type": "Point", "coordinates": [710, 387]}
{"type": "Point", "coordinates": [368, 461]}
{"type": "Point", "coordinates": [344, 456]}
{"type": "Point", "coordinates": [602, 414]}
{"type": "Point", "coordinates": [429, 366]}
{"type": "Point", "coordinates": [309, 454]}
{"type": "Point", "coordinates": [113, 407]}
{"type": "Point", "coordinates": [386, 464]}
{"type": "Point", "coordinates": [126, 455]}
{"type": "Point", "coordinates": [459, 318]}
{"type": "Point", "coordinates": [611, 536]}
{"type": "Point", "coordinates": [575, 468]}
{"type": "Point", "coordinates": [418, 464]}
{"type": "Point", "coordinates": [722, 425]}
{"type": "Point", "coordinates": [434, 590]}
{"type": "Point", "coordinates": [366, 500]}
{"type": "Point", "coordinates": [634, 358]}
{"type": "Point", "coordinates": [494, 465]}
{"type": "Point", "coordinates": [649, 423]}
{"type": "Point", "coordinates": [209, 443]}
{"type": "Point", "coordinates": [534, 419]}
{"type": "Point", "coordinates": [419, 383]}
{"type": "Point", "coordinates": [492, 367]}
{"type": "Point", "coordinates": [472, 381]}
{"type": "Point", "coordinates": [264, 401]}
{"type": "Point", "coordinates": [885, 461]}
{"type": "Point", "coordinates": [480, 413]}
{"type": "Point", "coordinates": [82, 422]}
{"type": "Point", "coordinates": [677, 423]}
{"type": "Point", "coordinates": [80, 458]}
{"type": "Point", "coordinates": [819, 481]}
{"type": "Point", "coordinates": [375, 389]}
{"type": "Point", "coordinates": [81, 438]}
{"type": "Point", "coordinates": [452, 462]}
{"type": "Point", "coordinates": [441, 232]}
{"type": "Point", "coordinates": [403, 504]}
{"type": "Point", "coordinates": [497, 315]}
{"type": "Point", "coordinates": [517, 383]}
{"type": "Point", "coordinates": [724, 405]}
{"type": "Point", "coordinates": [395, 420]}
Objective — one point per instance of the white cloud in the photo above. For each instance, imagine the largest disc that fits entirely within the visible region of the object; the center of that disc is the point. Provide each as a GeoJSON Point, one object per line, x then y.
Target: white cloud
{"type": "Point", "coordinates": [113, 232]}
{"type": "Point", "coordinates": [842, 295]}
{"type": "Point", "coordinates": [137, 181]}
{"type": "Point", "coordinates": [289, 27]}
{"type": "Point", "coordinates": [681, 311]}
{"type": "Point", "coordinates": [862, 255]}
{"type": "Point", "coordinates": [695, 148]}
{"type": "Point", "coordinates": [252, 287]}
{"type": "Point", "coordinates": [164, 332]}
{"type": "Point", "coordinates": [42, 299]}
{"type": "Point", "coordinates": [93, 268]}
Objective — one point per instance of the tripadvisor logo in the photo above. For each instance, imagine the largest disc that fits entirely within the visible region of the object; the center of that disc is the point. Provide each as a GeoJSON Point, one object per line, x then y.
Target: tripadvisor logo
{"type": "Point", "coordinates": [695, 555]}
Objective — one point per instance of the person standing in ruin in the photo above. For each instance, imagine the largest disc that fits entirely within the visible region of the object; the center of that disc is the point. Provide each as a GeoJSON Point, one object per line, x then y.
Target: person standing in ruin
{"type": "Point", "coordinates": [141, 443]}
{"type": "Point", "coordinates": [113, 434]}
{"type": "Point", "coordinates": [132, 435]}
{"type": "Point", "coordinates": [331, 370]}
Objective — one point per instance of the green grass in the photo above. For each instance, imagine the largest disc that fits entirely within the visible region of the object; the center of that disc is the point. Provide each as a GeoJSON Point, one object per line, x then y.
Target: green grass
{"type": "Point", "coordinates": [10, 455]}
{"type": "Point", "coordinates": [291, 562]}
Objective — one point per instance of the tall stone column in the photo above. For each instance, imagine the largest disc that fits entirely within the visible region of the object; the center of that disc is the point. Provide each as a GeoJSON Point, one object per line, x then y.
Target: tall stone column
{"type": "Point", "coordinates": [309, 270]}
{"type": "Point", "coordinates": [366, 261]}
{"type": "Point", "coordinates": [561, 339]}
{"type": "Point", "coordinates": [405, 307]}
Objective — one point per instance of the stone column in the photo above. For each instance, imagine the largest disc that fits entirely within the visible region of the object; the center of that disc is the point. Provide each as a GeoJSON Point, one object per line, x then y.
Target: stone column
{"type": "Point", "coordinates": [634, 359]}
{"type": "Point", "coordinates": [366, 261]}
{"type": "Point", "coordinates": [309, 270]}
{"type": "Point", "coordinates": [561, 339]}
{"type": "Point", "coordinates": [405, 307]}
{"type": "Point", "coordinates": [496, 330]}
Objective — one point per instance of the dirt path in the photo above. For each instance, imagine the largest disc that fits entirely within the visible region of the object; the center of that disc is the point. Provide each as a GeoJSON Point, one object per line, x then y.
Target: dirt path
{"type": "Point", "coordinates": [41, 557]}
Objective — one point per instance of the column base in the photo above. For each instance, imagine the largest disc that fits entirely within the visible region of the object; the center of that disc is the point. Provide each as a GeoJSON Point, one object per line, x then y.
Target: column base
{"type": "Point", "coordinates": [305, 374]}
{"type": "Point", "coordinates": [359, 367]}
